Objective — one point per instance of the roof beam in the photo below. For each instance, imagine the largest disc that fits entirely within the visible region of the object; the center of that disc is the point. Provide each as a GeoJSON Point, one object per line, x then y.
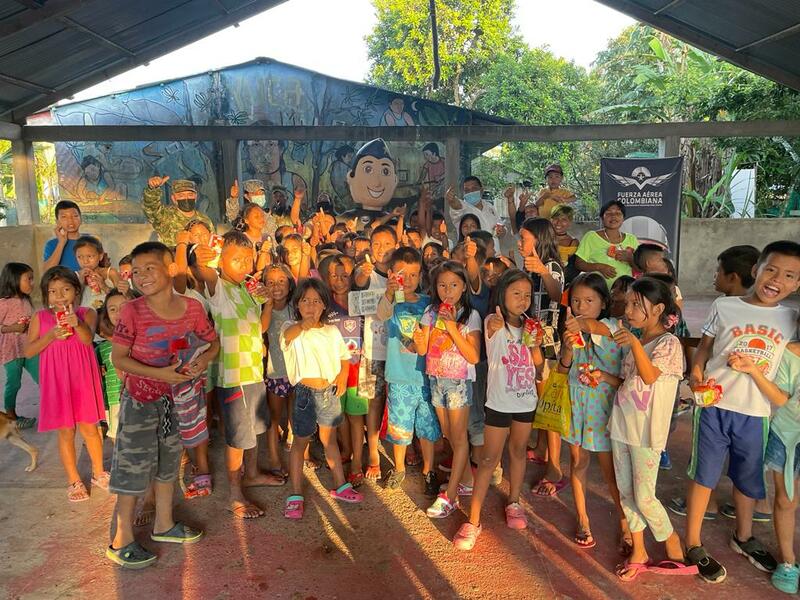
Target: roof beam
{"type": "Point", "coordinates": [10, 131]}
{"type": "Point", "coordinates": [24, 83]}
{"type": "Point", "coordinates": [668, 6]}
{"type": "Point", "coordinates": [778, 35]}
{"type": "Point", "coordinates": [168, 44]}
{"type": "Point", "coordinates": [72, 24]}
{"type": "Point", "coordinates": [29, 18]}
{"type": "Point", "coordinates": [466, 133]}
{"type": "Point", "coordinates": [692, 36]}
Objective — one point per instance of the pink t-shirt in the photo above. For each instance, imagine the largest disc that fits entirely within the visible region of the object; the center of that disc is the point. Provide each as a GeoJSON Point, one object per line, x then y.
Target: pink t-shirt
{"type": "Point", "coordinates": [153, 341]}
{"type": "Point", "coordinates": [12, 311]}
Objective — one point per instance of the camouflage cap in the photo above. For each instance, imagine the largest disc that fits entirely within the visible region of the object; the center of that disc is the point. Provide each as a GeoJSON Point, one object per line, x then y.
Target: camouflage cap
{"type": "Point", "coordinates": [253, 186]}
{"type": "Point", "coordinates": [183, 185]}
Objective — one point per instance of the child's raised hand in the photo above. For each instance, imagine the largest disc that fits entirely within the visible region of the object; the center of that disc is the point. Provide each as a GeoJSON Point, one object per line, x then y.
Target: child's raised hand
{"type": "Point", "coordinates": [496, 320]}
{"type": "Point", "coordinates": [183, 237]}
{"type": "Point", "coordinates": [123, 286]}
{"type": "Point", "coordinates": [204, 254]}
{"type": "Point", "coordinates": [623, 336]}
{"type": "Point", "coordinates": [367, 267]}
{"type": "Point", "coordinates": [533, 264]}
{"type": "Point", "coordinates": [741, 363]}
{"type": "Point", "coordinates": [571, 323]}
{"type": "Point", "coordinates": [391, 286]}
{"type": "Point", "coordinates": [509, 192]}
{"type": "Point", "coordinates": [419, 336]}
{"type": "Point", "coordinates": [470, 247]}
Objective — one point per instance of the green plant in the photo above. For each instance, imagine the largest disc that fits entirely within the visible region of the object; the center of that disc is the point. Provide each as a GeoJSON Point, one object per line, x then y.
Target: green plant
{"type": "Point", "coordinates": [717, 201]}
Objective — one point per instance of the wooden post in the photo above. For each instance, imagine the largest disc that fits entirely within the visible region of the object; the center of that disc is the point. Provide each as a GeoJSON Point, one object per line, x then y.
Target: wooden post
{"type": "Point", "coordinates": [452, 164]}
{"type": "Point", "coordinates": [25, 182]}
{"type": "Point", "coordinates": [669, 146]}
{"type": "Point", "coordinates": [230, 171]}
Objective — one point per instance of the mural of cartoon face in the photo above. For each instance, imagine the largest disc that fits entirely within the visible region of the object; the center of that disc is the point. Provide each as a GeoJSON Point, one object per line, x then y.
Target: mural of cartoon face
{"type": "Point", "coordinates": [373, 179]}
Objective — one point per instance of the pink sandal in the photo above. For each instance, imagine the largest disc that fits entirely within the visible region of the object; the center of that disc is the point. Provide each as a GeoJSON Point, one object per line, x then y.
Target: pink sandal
{"type": "Point", "coordinates": [102, 481]}
{"type": "Point", "coordinates": [76, 492]}
{"type": "Point", "coordinates": [199, 487]}
{"type": "Point", "coordinates": [673, 567]}
{"type": "Point", "coordinates": [557, 487]}
{"type": "Point", "coordinates": [294, 508]}
{"type": "Point", "coordinates": [346, 493]}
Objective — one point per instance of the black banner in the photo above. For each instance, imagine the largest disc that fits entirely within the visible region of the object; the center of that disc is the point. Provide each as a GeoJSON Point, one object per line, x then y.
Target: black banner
{"type": "Point", "coordinates": [650, 189]}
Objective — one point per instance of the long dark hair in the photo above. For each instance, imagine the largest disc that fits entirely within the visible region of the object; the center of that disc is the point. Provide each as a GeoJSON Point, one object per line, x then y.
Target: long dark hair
{"type": "Point", "coordinates": [104, 326]}
{"type": "Point", "coordinates": [310, 283]}
{"type": "Point", "coordinates": [59, 273]}
{"type": "Point", "coordinates": [657, 292]}
{"type": "Point", "coordinates": [467, 217]}
{"type": "Point", "coordinates": [457, 269]}
{"type": "Point", "coordinates": [546, 244]}
{"type": "Point", "coordinates": [239, 222]}
{"type": "Point", "coordinates": [499, 292]}
{"type": "Point", "coordinates": [10, 279]}
{"type": "Point", "coordinates": [595, 282]}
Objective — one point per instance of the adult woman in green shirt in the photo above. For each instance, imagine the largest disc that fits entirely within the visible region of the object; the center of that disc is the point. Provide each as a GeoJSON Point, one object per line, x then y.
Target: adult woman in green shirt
{"type": "Point", "coordinates": [608, 251]}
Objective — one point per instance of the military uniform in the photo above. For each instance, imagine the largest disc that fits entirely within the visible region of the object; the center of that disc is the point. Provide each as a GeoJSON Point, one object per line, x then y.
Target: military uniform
{"type": "Point", "coordinates": [167, 221]}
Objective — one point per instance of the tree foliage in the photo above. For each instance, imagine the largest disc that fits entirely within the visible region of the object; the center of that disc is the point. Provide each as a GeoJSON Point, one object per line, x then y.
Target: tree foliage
{"type": "Point", "coordinates": [471, 34]}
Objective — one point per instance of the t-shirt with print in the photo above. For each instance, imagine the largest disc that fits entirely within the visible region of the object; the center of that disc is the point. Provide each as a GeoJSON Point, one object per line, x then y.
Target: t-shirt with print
{"type": "Point", "coordinates": [443, 358]}
{"type": "Point", "coordinates": [151, 340]}
{"type": "Point", "coordinates": [511, 383]}
{"type": "Point", "coordinates": [759, 332]}
{"type": "Point", "coordinates": [349, 327]}
{"type": "Point", "coordinates": [545, 308]}
{"type": "Point", "coordinates": [374, 328]}
{"type": "Point", "coordinates": [641, 414]}
{"type": "Point", "coordinates": [403, 364]}
{"type": "Point", "coordinates": [237, 319]}
{"type": "Point", "coordinates": [276, 364]}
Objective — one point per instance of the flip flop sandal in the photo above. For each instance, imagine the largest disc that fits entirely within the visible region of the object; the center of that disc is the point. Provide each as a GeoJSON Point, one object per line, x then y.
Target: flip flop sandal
{"type": "Point", "coordinates": [413, 459]}
{"type": "Point", "coordinates": [76, 492]}
{"type": "Point", "coordinates": [673, 567]}
{"type": "Point", "coordinates": [240, 512]}
{"type": "Point", "coordinates": [179, 534]}
{"type": "Point", "coordinates": [373, 472]}
{"type": "Point", "coordinates": [102, 480]}
{"type": "Point", "coordinates": [199, 487]}
{"type": "Point", "coordinates": [132, 556]}
{"type": "Point", "coordinates": [584, 539]}
{"type": "Point", "coordinates": [629, 571]}
{"type": "Point", "coordinates": [294, 507]}
{"type": "Point", "coordinates": [557, 487]}
{"type": "Point", "coordinates": [279, 473]}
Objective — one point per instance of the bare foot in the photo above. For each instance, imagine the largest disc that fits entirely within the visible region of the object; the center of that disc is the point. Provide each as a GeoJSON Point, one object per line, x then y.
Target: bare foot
{"type": "Point", "coordinates": [263, 480]}
{"type": "Point", "coordinates": [245, 510]}
{"type": "Point", "coordinates": [625, 539]}
{"type": "Point", "coordinates": [144, 515]}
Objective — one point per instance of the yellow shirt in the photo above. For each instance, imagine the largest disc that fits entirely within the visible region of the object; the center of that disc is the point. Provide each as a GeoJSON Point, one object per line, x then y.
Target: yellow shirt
{"type": "Point", "coordinates": [552, 198]}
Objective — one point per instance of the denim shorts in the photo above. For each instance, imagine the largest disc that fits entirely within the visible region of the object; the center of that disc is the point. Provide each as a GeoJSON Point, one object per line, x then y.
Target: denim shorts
{"type": "Point", "coordinates": [775, 455]}
{"type": "Point", "coordinates": [312, 407]}
{"type": "Point", "coordinates": [451, 394]}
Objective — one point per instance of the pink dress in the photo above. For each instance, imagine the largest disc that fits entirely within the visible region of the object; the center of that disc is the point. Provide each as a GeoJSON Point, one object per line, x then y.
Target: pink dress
{"type": "Point", "coordinates": [69, 379]}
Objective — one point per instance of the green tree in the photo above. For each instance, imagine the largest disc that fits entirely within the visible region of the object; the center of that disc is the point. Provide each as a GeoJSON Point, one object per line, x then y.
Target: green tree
{"type": "Point", "coordinates": [471, 34]}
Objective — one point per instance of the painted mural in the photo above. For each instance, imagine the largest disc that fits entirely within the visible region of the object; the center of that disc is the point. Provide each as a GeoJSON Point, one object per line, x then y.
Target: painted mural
{"type": "Point", "coordinates": [107, 179]}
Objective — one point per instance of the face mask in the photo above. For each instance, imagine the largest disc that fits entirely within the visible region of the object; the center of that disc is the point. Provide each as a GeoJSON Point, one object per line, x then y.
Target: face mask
{"type": "Point", "coordinates": [472, 198]}
{"type": "Point", "coordinates": [260, 200]}
{"type": "Point", "coordinates": [186, 205]}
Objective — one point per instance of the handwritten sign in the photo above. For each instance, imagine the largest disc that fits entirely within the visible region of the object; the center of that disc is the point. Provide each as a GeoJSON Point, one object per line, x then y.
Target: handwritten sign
{"type": "Point", "coordinates": [364, 302]}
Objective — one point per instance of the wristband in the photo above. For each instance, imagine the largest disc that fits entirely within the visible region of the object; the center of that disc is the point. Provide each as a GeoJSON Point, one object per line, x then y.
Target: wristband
{"type": "Point", "coordinates": [561, 362]}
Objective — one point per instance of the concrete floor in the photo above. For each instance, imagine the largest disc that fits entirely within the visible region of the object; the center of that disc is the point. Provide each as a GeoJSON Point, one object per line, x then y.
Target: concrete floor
{"type": "Point", "coordinates": [385, 547]}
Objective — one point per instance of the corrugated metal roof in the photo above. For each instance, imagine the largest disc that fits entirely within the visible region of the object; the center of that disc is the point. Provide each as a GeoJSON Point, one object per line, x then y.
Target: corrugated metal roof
{"type": "Point", "coordinates": [762, 36]}
{"type": "Point", "coordinates": [50, 49]}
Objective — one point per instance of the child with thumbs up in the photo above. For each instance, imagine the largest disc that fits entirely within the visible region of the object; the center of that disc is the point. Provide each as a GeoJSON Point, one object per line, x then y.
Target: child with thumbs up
{"type": "Point", "coordinates": [514, 366]}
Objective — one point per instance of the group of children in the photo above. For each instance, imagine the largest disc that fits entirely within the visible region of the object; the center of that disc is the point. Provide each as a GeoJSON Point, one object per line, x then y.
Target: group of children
{"type": "Point", "coordinates": [456, 347]}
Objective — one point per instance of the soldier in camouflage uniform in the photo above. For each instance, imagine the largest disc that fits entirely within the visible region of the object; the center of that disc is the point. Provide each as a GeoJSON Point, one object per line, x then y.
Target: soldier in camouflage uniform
{"type": "Point", "coordinates": [167, 221]}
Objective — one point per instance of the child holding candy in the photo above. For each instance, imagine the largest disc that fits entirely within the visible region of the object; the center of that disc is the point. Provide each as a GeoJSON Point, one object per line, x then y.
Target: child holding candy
{"type": "Point", "coordinates": [96, 278]}
{"type": "Point", "coordinates": [593, 359]}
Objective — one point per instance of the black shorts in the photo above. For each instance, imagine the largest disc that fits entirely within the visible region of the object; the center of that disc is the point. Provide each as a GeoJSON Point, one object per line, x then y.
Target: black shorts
{"type": "Point", "coordinates": [501, 419]}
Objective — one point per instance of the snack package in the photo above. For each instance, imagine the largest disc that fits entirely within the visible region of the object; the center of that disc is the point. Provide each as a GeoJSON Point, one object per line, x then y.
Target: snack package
{"type": "Point", "coordinates": [126, 275]}
{"type": "Point", "coordinates": [253, 286]}
{"type": "Point", "coordinates": [61, 315]}
{"type": "Point", "coordinates": [531, 329]}
{"type": "Point", "coordinates": [708, 393]}
{"type": "Point", "coordinates": [588, 375]}
{"type": "Point", "coordinates": [92, 283]}
{"type": "Point", "coordinates": [399, 295]}
{"type": "Point", "coordinates": [579, 341]}
{"type": "Point", "coordinates": [215, 241]}
{"type": "Point", "coordinates": [444, 306]}
{"type": "Point", "coordinates": [612, 251]}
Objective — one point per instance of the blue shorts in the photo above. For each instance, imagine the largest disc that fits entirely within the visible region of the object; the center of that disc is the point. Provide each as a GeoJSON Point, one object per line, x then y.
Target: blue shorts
{"type": "Point", "coordinates": [410, 411]}
{"type": "Point", "coordinates": [312, 407]}
{"type": "Point", "coordinates": [451, 394]}
{"type": "Point", "coordinates": [718, 432]}
{"type": "Point", "coordinates": [775, 455]}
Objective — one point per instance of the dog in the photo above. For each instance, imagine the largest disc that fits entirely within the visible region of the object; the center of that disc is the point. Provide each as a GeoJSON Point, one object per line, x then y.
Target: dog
{"type": "Point", "coordinates": [8, 431]}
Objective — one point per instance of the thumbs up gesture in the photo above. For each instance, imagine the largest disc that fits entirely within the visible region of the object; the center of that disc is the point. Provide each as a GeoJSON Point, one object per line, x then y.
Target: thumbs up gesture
{"type": "Point", "coordinates": [623, 336]}
{"type": "Point", "coordinates": [572, 325]}
{"type": "Point", "coordinates": [156, 182]}
{"type": "Point", "coordinates": [470, 248]}
{"type": "Point", "coordinates": [495, 321]}
{"type": "Point", "coordinates": [235, 189]}
{"type": "Point", "coordinates": [420, 338]}
{"type": "Point", "coordinates": [534, 264]}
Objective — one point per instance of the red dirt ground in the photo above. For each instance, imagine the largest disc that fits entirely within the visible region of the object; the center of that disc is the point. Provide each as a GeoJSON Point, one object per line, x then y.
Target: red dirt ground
{"type": "Point", "coordinates": [385, 547]}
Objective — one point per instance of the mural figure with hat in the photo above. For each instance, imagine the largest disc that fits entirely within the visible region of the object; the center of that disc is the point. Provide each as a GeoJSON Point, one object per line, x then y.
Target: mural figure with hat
{"type": "Point", "coordinates": [372, 181]}
{"type": "Point", "coordinates": [552, 194]}
{"type": "Point", "coordinates": [167, 221]}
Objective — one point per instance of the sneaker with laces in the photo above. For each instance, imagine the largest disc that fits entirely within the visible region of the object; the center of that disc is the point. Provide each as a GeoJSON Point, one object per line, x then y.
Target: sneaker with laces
{"type": "Point", "coordinates": [466, 536]}
{"type": "Point", "coordinates": [442, 507]}
{"type": "Point", "coordinates": [755, 552]}
{"type": "Point", "coordinates": [515, 516]}
{"type": "Point", "coordinates": [431, 484]}
{"type": "Point", "coordinates": [708, 568]}
{"type": "Point", "coordinates": [394, 480]}
{"type": "Point", "coordinates": [786, 578]}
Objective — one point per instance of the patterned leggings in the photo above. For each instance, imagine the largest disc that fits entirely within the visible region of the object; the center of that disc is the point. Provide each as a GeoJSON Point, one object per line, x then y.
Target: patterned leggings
{"type": "Point", "coordinates": [636, 470]}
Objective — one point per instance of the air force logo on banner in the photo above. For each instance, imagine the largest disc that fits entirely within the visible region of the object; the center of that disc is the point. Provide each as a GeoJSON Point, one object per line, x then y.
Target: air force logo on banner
{"type": "Point", "coordinates": [640, 177]}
